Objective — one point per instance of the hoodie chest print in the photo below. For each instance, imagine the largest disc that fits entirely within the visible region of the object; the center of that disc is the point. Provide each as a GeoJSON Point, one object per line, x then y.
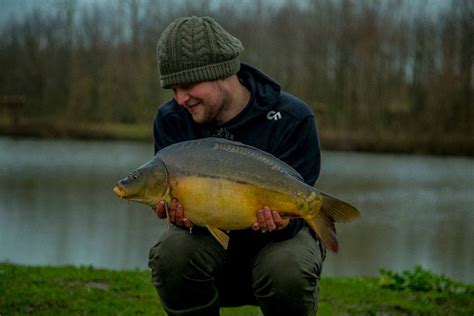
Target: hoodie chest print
{"type": "Point", "coordinates": [223, 133]}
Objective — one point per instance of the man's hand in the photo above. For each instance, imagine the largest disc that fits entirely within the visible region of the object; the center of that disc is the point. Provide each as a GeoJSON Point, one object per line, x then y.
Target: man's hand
{"type": "Point", "coordinates": [175, 213]}
{"type": "Point", "coordinates": [268, 220]}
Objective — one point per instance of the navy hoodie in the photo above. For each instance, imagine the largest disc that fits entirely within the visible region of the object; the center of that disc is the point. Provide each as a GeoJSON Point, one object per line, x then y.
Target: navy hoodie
{"type": "Point", "coordinates": [273, 121]}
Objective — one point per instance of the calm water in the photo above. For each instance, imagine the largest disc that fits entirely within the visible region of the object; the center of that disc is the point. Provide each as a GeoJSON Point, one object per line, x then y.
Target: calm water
{"type": "Point", "coordinates": [57, 207]}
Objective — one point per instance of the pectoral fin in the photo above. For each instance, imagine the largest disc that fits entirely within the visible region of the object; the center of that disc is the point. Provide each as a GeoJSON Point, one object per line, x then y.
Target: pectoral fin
{"type": "Point", "coordinates": [218, 234]}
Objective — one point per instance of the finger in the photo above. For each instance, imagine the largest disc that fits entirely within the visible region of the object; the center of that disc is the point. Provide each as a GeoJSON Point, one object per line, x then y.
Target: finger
{"type": "Point", "coordinates": [161, 209]}
{"type": "Point", "coordinates": [172, 211]}
{"type": "Point", "coordinates": [187, 223]}
{"type": "Point", "coordinates": [261, 220]}
{"type": "Point", "coordinates": [179, 214]}
{"type": "Point", "coordinates": [156, 209]}
{"type": "Point", "coordinates": [279, 222]}
{"type": "Point", "coordinates": [267, 213]}
{"type": "Point", "coordinates": [256, 226]}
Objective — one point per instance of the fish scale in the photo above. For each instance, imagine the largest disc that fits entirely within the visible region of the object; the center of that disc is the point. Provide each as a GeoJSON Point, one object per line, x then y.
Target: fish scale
{"type": "Point", "coordinates": [222, 158]}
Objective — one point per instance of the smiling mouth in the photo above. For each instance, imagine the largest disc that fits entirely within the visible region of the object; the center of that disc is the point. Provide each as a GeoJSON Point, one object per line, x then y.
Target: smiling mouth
{"type": "Point", "coordinates": [192, 106]}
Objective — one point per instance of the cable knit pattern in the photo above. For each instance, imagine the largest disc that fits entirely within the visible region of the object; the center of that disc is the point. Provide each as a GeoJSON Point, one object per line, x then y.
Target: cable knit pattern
{"type": "Point", "coordinates": [195, 49]}
{"type": "Point", "coordinates": [193, 41]}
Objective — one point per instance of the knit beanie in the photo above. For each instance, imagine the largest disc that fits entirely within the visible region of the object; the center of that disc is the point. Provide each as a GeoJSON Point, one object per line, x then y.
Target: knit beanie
{"type": "Point", "coordinates": [195, 49]}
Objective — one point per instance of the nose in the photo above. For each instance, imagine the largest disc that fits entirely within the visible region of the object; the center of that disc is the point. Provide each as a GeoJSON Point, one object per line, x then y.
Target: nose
{"type": "Point", "coordinates": [181, 96]}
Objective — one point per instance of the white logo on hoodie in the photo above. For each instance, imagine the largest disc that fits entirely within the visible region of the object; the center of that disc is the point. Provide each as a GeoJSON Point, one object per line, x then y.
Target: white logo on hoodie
{"type": "Point", "coordinates": [272, 115]}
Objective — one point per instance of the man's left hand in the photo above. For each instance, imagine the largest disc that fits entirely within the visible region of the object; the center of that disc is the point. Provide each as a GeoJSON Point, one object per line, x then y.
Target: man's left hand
{"type": "Point", "coordinates": [268, 220]}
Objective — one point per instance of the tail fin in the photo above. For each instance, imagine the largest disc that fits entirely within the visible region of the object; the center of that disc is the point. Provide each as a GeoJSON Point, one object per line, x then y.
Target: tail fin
{"type": "Point", "coordinates": [332, 210]}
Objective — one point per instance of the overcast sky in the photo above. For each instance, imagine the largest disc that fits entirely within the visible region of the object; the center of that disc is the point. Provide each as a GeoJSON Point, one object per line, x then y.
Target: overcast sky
{"type": "Point", "coordinates": [17, 8]}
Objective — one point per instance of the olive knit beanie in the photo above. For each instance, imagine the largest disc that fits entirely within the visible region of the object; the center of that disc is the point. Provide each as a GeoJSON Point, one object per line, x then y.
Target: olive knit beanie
{"type": "Point", "coordinates": [195, 49]}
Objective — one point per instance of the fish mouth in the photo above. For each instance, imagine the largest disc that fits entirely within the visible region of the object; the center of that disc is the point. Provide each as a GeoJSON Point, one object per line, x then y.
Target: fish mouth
{"type": "Point", "coordinates": [120, 192]}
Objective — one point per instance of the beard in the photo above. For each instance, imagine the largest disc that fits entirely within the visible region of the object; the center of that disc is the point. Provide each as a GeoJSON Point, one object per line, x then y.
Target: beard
{"type": "Point", "coordinates": [214, 108]}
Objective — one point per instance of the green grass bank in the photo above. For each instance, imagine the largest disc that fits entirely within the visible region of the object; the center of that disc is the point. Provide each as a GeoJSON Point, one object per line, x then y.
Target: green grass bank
{"type": "Point", "coordinates": [89, 291]}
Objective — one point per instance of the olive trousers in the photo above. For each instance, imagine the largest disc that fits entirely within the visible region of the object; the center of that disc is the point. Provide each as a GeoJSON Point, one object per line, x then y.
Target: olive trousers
{"type": "Point", "coordinates": [194, 275]}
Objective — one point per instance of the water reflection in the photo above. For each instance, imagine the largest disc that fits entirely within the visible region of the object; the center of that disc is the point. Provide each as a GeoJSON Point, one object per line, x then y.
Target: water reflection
{"type": "Point", "coordinates": [416, 210]}
{"type": "Point", "coordinates": [57, 207]}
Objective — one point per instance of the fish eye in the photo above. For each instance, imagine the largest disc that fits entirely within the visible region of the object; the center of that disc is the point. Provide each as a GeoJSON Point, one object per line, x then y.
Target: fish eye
{"type": "Point", "coordinates": [134, 175]}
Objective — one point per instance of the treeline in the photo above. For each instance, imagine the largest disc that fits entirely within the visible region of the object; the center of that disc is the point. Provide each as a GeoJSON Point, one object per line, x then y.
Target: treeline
{"type": "Point", "coordinates": [363, 66]}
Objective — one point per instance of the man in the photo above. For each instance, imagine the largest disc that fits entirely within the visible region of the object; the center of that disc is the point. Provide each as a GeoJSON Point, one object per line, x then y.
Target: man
{"type": "Point", "coordinates": [277, 263]}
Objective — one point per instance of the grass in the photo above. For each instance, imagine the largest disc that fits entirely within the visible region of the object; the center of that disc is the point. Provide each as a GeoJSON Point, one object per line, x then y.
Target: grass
{"type": "Point", "coordinates": [85, 290]}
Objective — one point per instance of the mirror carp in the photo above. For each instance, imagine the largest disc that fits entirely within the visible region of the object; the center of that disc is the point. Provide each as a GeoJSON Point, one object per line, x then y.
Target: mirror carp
{"type": "Point", "coordinates": [221, 185]}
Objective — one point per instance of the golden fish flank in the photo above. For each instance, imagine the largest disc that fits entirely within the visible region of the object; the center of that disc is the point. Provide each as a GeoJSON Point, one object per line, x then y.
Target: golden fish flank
{"type": "Point", "coordinates": [221, 184]}
{"type": "Point", "coordinates": [233, 204]}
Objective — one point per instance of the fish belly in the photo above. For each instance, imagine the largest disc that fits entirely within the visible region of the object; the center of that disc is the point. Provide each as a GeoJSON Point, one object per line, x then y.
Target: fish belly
{"type": "Point", "coordinates": [227, 204]}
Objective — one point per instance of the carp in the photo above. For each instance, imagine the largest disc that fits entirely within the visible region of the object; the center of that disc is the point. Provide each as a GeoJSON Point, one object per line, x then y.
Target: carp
{"type": "Point", "coordinates": [221, 184]}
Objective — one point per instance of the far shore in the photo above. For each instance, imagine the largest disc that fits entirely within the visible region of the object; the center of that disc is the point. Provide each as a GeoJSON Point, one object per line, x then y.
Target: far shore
{"type": "Point", "coordinates": [336, 140]}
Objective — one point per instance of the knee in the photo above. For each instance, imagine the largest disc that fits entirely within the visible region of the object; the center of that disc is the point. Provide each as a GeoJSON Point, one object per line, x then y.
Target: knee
{"type": "Point", "coordinates": [287, 284]}
{"type": "Point", "coordinates": [170, 254]}
{"type": "Point", "coordinates": [182, 266]}
{"type": "Point", "coordinates": [286, 276]}
{"type": "Point", "coordinates": [181, 256]}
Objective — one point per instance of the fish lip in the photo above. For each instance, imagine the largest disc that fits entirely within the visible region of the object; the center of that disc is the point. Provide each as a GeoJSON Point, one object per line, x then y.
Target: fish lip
{"type": "Point", "coordinates": [120, 192]}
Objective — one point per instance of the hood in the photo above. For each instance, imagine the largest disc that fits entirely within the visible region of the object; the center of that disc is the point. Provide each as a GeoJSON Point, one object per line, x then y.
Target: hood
{"type": "Point", "coordinates": [264, 87]}
{"type": "Point", "coordinates": [265, 93]}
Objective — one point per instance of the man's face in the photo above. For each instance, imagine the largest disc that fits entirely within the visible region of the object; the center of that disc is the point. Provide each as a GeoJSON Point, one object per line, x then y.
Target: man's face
{"type": "Point", "coordinates": [206, 101]}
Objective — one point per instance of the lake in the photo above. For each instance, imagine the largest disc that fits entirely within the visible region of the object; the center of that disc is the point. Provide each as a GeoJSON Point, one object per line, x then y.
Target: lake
{"type": "Point", "coordinates": [57, 208]}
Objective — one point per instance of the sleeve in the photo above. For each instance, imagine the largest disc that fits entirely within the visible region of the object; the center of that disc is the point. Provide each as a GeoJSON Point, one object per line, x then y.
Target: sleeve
{"type": "Point", "coordinates": [300, 148]}
{"type": "Point", "coordinates": [161, 132]}
{"type": "Point", "coordinates": [169, 128]}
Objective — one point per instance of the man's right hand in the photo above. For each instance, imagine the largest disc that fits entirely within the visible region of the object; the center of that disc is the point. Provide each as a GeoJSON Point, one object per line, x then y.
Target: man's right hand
{"type": "Point", "coordinates": [175, 213]}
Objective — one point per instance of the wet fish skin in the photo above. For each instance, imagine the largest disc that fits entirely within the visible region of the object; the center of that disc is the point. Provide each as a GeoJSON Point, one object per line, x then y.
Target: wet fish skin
{"type": "Point", "coordinates": [221, 184]}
